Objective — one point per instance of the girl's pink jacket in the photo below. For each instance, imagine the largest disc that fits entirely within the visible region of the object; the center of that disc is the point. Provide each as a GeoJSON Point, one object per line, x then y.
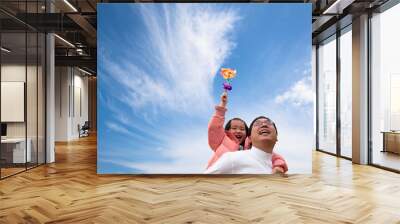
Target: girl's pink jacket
{"type": "Point", "coordinates": [222, 141]}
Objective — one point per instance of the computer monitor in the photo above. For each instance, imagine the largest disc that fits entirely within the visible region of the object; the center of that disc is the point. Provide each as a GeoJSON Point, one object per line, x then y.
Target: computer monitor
{"type": "Point", "coordinates": [3, 129]}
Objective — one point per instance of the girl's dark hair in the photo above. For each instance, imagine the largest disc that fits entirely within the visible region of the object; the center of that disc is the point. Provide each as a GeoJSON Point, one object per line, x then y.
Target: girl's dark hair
{"type": "Point", "coordinates": [228, 126]}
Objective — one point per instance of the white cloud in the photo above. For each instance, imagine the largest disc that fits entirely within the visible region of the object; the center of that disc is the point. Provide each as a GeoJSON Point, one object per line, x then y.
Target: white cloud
{"type": "Point", "coordinates": [295, 144]}
{"type": "Point", "coordinates": [134, 136]}
{"type": "Point", "coordinates": [186, 45]}
{"type": "Point", "coordinates": [185, 153]}
{"type": "Point", "coordinates": [118, 128]}
{"type": "Point", "coordinates": [123, 130]}
{"type": "Point", "coordinates": [300, 94]}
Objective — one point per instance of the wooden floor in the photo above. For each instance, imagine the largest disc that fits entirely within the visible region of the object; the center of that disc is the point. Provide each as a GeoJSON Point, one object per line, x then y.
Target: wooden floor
{"type": "Point", "coordinates": [70, 191]}
{"type": "Point", "coordinates": [5, 172]}
{"type": "Point", "coordinates": [10, 171]}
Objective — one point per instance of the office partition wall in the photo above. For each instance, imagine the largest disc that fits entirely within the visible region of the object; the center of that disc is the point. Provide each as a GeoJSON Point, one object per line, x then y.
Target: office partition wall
{"type": "Point", "coordinates": [15, 150]}
{"type": "Point", "coordinates": [22, 77]}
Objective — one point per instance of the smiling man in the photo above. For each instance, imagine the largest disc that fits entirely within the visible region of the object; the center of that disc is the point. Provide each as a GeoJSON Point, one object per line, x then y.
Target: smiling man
{"type": "Point", "coordinates": [257, 160]}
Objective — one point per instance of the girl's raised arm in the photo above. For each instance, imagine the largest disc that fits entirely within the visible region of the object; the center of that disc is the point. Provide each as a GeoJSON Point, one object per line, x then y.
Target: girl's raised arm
{"type": "Point", "coordinates": [216, 131]}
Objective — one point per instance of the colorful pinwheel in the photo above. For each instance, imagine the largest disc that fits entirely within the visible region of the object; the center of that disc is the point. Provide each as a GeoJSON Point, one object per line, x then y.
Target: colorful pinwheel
{"type": "Point", "coordinates": [228, 74]}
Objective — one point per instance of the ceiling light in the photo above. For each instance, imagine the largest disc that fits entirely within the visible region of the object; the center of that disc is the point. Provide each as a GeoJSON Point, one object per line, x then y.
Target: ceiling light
{"type": "Point", "coordinates": [338, 6]}
{"type": "Point", "coordinates": [5, 50]}
{"type": "Point", "coordinates": [70, 5]}
{"type": "Point", "coordinates": [64, 40]}
{"type": "Point", "coordinates": [84, 71]}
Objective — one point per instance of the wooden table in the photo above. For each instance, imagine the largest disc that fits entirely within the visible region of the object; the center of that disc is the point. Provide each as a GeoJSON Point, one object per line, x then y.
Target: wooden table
{"type": "Point", "coordinates": [391, 141]}
{"type": "Point", "coordinates": [13, 150]}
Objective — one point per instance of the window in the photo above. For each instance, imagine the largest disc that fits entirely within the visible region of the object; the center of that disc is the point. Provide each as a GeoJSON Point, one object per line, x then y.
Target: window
{"type": "Point", "coordinates": [346, 92]}
{"type": "Point", "coordinates": [327, 95]}
{"type": "Point", "coordinates": [385, 88]}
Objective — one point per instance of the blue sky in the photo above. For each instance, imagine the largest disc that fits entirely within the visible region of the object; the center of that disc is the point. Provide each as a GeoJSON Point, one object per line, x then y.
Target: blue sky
{"type": "Point", "coordinates": [158, 81]}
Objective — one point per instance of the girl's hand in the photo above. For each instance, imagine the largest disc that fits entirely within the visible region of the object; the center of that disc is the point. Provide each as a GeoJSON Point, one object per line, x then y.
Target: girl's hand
{"type": "Point", "coordinates": [224, 99]}
{"type": "Point", "coordinates": [277, 170]}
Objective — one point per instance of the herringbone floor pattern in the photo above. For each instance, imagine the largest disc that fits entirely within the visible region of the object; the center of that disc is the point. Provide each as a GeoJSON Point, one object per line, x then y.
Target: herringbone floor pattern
{"type": "Point", "coordinates": [70, 191]}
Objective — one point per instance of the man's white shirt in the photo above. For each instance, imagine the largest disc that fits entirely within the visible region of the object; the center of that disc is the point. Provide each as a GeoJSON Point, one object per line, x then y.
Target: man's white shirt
{"type": "Point", "coordinates": [253, 161]}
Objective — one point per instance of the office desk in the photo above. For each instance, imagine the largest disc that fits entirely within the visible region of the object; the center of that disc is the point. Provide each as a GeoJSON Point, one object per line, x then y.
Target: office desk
{"type": "Point", "coordinates": [391, 141]}
{"type": "Point", "coordinates": [13, 150]}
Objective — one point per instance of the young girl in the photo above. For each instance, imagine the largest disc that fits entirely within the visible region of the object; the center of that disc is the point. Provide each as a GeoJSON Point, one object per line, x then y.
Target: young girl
{"type": "Point", "coordinates": [233, 137]}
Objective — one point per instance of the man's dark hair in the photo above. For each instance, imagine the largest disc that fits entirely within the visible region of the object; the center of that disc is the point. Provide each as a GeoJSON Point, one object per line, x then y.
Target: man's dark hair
{"type": "Point", "coordinates": [251, 125]}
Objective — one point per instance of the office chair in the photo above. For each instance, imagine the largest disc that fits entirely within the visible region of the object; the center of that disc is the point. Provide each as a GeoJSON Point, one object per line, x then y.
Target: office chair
{"type": "Point", "coordinates": [84, 130]}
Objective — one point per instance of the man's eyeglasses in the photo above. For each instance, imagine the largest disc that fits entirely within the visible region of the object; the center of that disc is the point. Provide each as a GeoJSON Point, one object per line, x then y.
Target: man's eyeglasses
{"type": "Point", "coordinates": [262, 121]}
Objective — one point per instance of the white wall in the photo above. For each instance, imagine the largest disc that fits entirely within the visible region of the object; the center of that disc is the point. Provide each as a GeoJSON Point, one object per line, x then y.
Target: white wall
{"type": "Point", "coordinates": [33, 126]}
{"type": "Point", "coordinates": [14, 73]}
{"type": "Point", "coordinates": [70, 82]}
{"type": "Point", "coordinates": [62, 81]}
{"type": "Point", "coordinates": [17, 73]}
{"type": "Point", "coordinates": [12, 100]}
{"type": "Point", "coordinates": [79, 117]}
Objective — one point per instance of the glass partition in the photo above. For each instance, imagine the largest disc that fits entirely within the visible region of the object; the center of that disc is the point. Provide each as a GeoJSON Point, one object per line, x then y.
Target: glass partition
{"type": "Point", "coordinates": [31, 100]}
{"type": "Point", "coordinates": [22, 77]}
{"type": "Point", "coordinates": [327, 95]}
{"type": "Point", "coordinates": [14, 154]}
{"type": "Point", "coordinates": [41, 109]}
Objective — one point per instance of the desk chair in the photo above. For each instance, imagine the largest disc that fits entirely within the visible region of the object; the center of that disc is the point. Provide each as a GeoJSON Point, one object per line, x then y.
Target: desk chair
{"type": "Point", "coordinates": [84, 130]}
